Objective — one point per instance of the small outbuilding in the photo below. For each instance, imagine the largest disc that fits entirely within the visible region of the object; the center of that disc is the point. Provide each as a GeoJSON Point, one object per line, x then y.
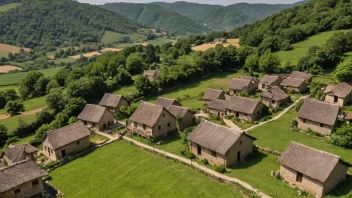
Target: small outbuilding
{"type": "Point", "coordinates": [113, 102]}
{"type": "Point", "coordinates": [241, 85]}
{"type": "Point", "coordinates": [151, 74]}
{"type": "Point", "coordinates": [218, 107]}
{"type": "Point", "coordinates": [212, 94]}
{"type": "Point", "coordinates": [166, 102]}
{"type": "Point", "coordinates": [294, 84]}
{"type": "Point", "coordinates": [22, 179]}
{"type": "Point", "coordinates": [275, 97]}
{"type": "Point", "coordinates": [313, 170]}
{"type": "Point", "coordinates": [61, 142]}
{"type": "Point", "coordinates": [318, 116]}
{"type": "Point", "coordinates": [244, 108]}
{"type": "Point", "coordinates": [220, 145]}
{"type": "Point", "coordinates": [301, 75]}
{"type": "Point", "coordinates": [150, 120]}
{"type": "Point", "coordinates": [340, 94]}
{"type": "Point", "coordinates": [19, 153]}
{"type": "Point", "coordinates": [269, 81]}
{"type": "Point", "coordinates": [96, 116]}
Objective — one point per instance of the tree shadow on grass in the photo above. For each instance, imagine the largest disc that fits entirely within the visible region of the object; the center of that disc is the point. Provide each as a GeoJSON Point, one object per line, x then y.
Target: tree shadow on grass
{"type": "Point", "coordinates": [343, 189]}
{"type": "Point", "coordinates": [255, 159]}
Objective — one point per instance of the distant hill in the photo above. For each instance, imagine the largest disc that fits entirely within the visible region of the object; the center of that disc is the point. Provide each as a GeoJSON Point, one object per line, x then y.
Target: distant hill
{"type": "Point", "coordinates": [155, 16]}
{"type": "Point", "coordinates": [59, 22]}
{"type": "Point", "coordinates": [225, 17]}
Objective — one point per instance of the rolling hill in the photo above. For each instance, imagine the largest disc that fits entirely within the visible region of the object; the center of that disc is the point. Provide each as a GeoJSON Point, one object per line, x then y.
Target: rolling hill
{"type": "Point", "coordinates": [59, 22]}
{"type": "Point", "coordinates": [150, 15]}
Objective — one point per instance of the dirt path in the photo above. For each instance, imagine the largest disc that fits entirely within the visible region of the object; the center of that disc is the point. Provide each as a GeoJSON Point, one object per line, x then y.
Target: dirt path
{"type": "Point", "coordinates": [32, 112]}
{"type": "Point", "coordinates": [231, 124]}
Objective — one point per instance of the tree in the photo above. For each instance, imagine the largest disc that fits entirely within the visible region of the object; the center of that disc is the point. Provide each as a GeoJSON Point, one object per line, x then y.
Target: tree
{"type": "Point", "coordinates": [343, 136]}
{"type": "Point", "coordinates": [145, 87]}
{"type": "Point", "coordinates": [27, 85]}
{"type": "Point", "coordinates": [51, 85]}
{"type": "Point", "coordinates": [269, 62]}
{"type": "Point", "coordinates": [14, 107]}
{"type": "Point", "coordinates": [55, 100]}
{"type": "Point", "coordinates": [135, 64]}
{"type": "Point", "coordinates": [61, 76]}
{"type": "Point", "coordinates": [252, 62]}
{"type": "Point", "coordinates": [41, 85]}
{"type": "Point", "coordinates": [3, 135]}
{"type": "Point", "coordinates": [11, 94]}
{"type": "Point", "coordinates": [74, 106]}
{"type": "Point", "coordinates": [343, 72]}
{"type": "Point", "coordinates": [2, 100]}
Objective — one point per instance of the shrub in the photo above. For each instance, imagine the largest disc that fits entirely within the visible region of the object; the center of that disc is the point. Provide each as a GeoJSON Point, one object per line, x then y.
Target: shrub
{"type": "Point", "coordinates": [205, 161]}
{"type": "Point", "coordinates": [299, 105]}
{"type": "Point", "coordinates": [188, 154]}
{"type": "Point", "coordinates": [294, 124]}
{"type": "Point", "coordinates": [220, 169]}
{"type": "Point", "coordinates": [14, 107]}
{"type": "Point", "coordinates": [12, 140]}
{"type": "Point", "coordinates": [343, 136]}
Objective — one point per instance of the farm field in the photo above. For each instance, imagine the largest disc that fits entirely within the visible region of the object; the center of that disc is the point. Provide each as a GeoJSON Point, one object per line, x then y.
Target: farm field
{"type": "Point", "coordinates": [120, 168]}
{"type": "Point", "coordinates": [7, 68]}
{"type": "Point", "coordinates": [5, 49]}
{"type": "Point", "coordinates": [301, 48]}
{"type": "Point", "coordinates": [12, 122]}
{"type": "Point", "coordinates": [14, 78]}
{"type": "Point", "coordinates": [160, 41]}
{"type": "Point", "coordinates": [7, 7]}
{"type": "Point", "coordinates": [203, 47]}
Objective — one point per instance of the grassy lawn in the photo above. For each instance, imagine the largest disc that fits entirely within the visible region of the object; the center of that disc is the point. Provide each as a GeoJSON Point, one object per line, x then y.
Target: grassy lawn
{"type": "Point", "coordinates": [97, 139]}
{"type": "Point", "coordinates": [110, 37]}
{"type": "Point", "coordinates": [159, 41]}
{"type": "Point", "coordinates": [9, 6]}
{"type": "Point", "coordinates": [3, 88]}
{"type": "Point", "coordinates": [301, 48]}
{"type": "Point", "coordinates": [122, 170]}
{"type": "Point", "coordinates": [31, 104]}
{"type": "Point", "coordinates": [14, 78]}
{"type": "Point", "coordinates": [12, 122]}
{"type": "Point", "coordinates": [64, 60]}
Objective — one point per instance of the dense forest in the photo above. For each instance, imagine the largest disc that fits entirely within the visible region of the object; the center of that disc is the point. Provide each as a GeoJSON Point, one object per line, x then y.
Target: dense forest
{"type": "Point", "coordinates": [158, 17]}
{"type": "Point", "coordinates": [59, 23]}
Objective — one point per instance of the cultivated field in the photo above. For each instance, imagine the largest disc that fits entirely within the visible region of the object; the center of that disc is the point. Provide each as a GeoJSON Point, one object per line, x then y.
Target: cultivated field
{"type": "Point", "coordinates": [9, 6]}
{"type": "Point", "coordinates": [7, 68]}
{"type": "Point", "coordinates": [5, 49]}
{"type": "Point", "coordinates": [203, 47]}
{"type": "Point", "coordinates": [122, 170]}
{"type": "Point", "coordinates": [96, 53]}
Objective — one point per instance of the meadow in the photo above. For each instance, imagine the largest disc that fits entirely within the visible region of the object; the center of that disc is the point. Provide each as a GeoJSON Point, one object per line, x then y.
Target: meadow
{"type": "Point", "coordinates": [113, 37]}
{"type": "Point", "coordinates": [12, 123]}
{"type": "Point", "coordinates": [122, 170]}
{"type": "Point", "coordinates": [31, 104]}
{"type": "Point", "coordinates": [7, 7]}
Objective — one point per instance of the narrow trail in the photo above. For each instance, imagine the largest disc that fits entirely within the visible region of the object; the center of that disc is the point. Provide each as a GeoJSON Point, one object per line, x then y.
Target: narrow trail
{"type": "Point", "coordinates": [31, 112]}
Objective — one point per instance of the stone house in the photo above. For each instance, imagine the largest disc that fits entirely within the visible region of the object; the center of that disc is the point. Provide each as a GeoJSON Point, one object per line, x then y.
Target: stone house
{"type": "Point", "coordinates": [220, 145]}
{"type": "Point", "coordinates": [318, 116]}
{"type": "Point", "coordinates": [113, 102]}
{"type": "Point", "coordinates": [313, 170]}
{"type": "Point", "coordinates": [253, 79]}
{"type": "Point", "coordinates": [18, 153]}
{"type": "Point", "coordinates": [151, 74]}
{"type": "Point", "coordinates": [240, 85]}
{"type": "Point", "coordinates": [269, 81]}
{"type": "Point", "coordinates": [166, 102]}
{"type": "Point", "coordinates": [22, 179]}
{"type": "Point", "coordinates": [340, 94]}
{"type": "Point", "coordinates": [301, 75]}
{"type": "Point", "coordinates": [61, 142]}
{"type": "Point", "coordinates": [244, 108]}
{"type": "Point", "coordinates": [212, 94]}
{"type": "Point", "coordinates": [217, 107]}
{"type": "Point", "coordinates": [150, 120]}
{"type": "Point", "coordinates": [96, 116]}
{"type": "Point", "coordinates": [219, 40]}
{"type": "Point", "coordinates": [275, 97]}
{"type": "Point", "coordinates": [294, 84]}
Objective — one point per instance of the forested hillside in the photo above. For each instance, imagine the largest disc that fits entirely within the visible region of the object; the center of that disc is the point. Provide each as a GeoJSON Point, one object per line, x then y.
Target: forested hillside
{"type": "Point", "coordinates": [225, 17]}
{"type": "Point", "coordinates": [158, 17]}
{"type": "Point", "coordinates": [59, 22]}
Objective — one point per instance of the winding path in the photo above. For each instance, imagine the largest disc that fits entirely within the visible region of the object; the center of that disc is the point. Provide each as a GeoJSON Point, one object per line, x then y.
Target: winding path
{"type": "Point", "coordinates": [31, 112]}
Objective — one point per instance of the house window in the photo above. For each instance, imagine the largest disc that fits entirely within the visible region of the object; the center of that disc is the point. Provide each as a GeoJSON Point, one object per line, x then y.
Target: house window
{"type": "Point", "coordinates": [85, 123]}
{"type": "Point", "coordinates": [144, 126]}
{"type": "Point", "coordinates": [164, 115]}
{"type": "Point", "coordinates": [35, 182]}
{"type": "Point", "coordinates": [44, 147]}
{"type": "Point", "coordinates": [304, 120]}
{"type": "Point", "coordinates": [263, 86]}
{"type": "Point", "coordinates": [240, 141]}
{"type": "Point", "coordinates": [77, 142]}
{"type": "Point", "coordinates": [321, 125]}
{"type": "Point", "coordinates": [273, 101]}
{"type": "Point", "coordinates": [299, 177]}
{"type": "Point", "coordinates": [18, 190]}
{"type": "Point", "coordinates": [159, 127]}
{"type": "Point", "coordinates": [168, 124]}
{"type": "Point", "coordinates": [335, 99]}
{"type": "Point", "coordinates": [213, 153]}
{"type": "Point", "coordinates": [134, 124]}
{"type": "Point", "coordinates": [93, 124]}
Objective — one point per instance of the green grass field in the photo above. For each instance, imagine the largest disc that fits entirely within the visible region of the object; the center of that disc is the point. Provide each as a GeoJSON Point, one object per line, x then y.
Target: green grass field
{"type": "Point", "coordinates": [122, 170]}
{"type": "Point", "coordinates": [12, 122]}
{"type": "Point", "coordinates": [159, 41]}
{"type": "Point", "coordinates": [31, 104]}
{"type": "Point", "coordinates": [110, 37]}
{"type": "Point", "coordinates": [9, 6]}
{"type": "Point", "coordinates": [14, 78]}
{"type": "Point", "coordinates": [301, 48]}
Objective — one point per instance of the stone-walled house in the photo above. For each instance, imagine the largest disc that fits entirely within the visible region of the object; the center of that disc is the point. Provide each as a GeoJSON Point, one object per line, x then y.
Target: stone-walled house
{"type": "Point", "coordinates": [217, 107]}
{"type": "Point", "coordinates": [150, 120]}
{"type": "Point", "coordinates": [61, 142]}
{"type": "Point", "coordinates": [253, 79]}
{"type": "Point", "coordinates": [315, 171]}
{"type": "Point", "coordinates": [269, 81]}
{"type": "Point", "coordinates": [244, 108]}
{"type": "Point", "coordinates": [240, 85]}
{"type": "Point", "coordinates": [19, 153]}
{"type": "Point", "coordinates": [318, 116]}
{"type": "Point", "coordinates": [113, 102]}
{"type": "Point", "coordinates": [166, 102]}
{"type": "Point", "coordinates": [212, 94]}
{"type": "Point", "coordinates": [151, 74]}
{"type": "Point", "coordinates": [185, 116]}
{"type": "Point", "coordinates": [340, 94]}
{"type": "Point", "coordinates": [219, 40]}
{"type": "Point", "coordinates": [22, 179]}
{"type": "Point", "coordinates": [96, 116]}
{"type": "Point", "coordinates": [301, 75]}
{"type": "Point", "coordinates": [275, 97]}
{"type": "Point", "coordinates": [220, 145]}
{"type": "Point", "coordinates": [294, 84]}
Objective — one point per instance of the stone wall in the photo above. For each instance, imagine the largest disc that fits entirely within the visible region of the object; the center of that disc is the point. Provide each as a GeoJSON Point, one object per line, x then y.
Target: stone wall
{"type": "Point", "coordinates": [26, 190]}
{"type": "Point", "coordinates": [325, 129]}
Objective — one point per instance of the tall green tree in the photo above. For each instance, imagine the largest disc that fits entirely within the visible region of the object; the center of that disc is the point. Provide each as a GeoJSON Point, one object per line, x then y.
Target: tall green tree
{"type": "Point", "coordinates": [343, 72]}
{"type": "Point", "coordinates": [268, 62]}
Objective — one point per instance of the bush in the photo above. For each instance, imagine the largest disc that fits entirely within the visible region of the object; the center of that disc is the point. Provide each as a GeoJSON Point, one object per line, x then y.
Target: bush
{"type": "Point", "coordinates": [14, 107]}
{"type": "Point", "coordinates": [12, 140]}
{"type": "Point", "coordinates": [3, 135]}
{"type": "Point", "coordinates": [343, 136]}
{"type": "Point", "coordinates": [299, 105]}
{"type": "Point", "coordinates": [205, 161]}
{"type": "Point", "coordinates": [220, 169]}
{"type": "Point", "coordinates": [294, 124]}
{"type": "Point", "coordinates": [188, 154]}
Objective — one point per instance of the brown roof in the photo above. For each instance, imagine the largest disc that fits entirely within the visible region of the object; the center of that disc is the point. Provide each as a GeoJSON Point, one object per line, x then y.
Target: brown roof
{"type": "Point", "coordinates": [250, 78]}
{"type": "Point", "coordinates": [218, 104]}
{"type": "Point", "coordinates": [275, 93]}
{"type": "Point", "coordinates": [301, 75]}
{"type": "Point", "coordinates": [239, 84]}
{"type": "Point", "coordinates": [66, 135]}
{"type": "Point", "coordinates": [92, 113]}
{"type": "Point", "coordinates": [311, 162]}
{"type": "Point", "coordinates": [211, 94]}
{"type": "Point", "coordinates": [292, 82]}
{"type": "Point", "coordinates": [215, 137]}
{"type": "Point", "coordinates": [19, 152]}
{"type": "Point", "coordinates": [320, 112]}
{"type": "Point", "coordinates": [148, 114]}
{"type": "Point", "coordinates": [151, 72]}
{"type": "Point", "coordinates": [349, 116]}
{"type": "Point", "coordinates": [166, 102]}
{"type": "Point", "coordinates": [19, 173]}
{"type": "Point", "coordinates": [111, 100]}
{"type": "Point", "coordinates": [241, 104]}
{"type": "Point", "coordinates": [267, 79]}
{"type": "Point", "coordinates": [341, 90]}
{"type": "Point", "coordinates": [178, 111]}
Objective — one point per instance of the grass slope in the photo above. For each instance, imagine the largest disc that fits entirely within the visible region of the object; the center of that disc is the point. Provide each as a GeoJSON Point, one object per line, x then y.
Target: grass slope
{"type": "Point", "coordinates": [31, 104]}
{"type": "Point", "coordinates": [12, 123]}
{"type": "Point", "coordinates": [7, 7]}
{"type": "Point", "coordinates": [122, 170]}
